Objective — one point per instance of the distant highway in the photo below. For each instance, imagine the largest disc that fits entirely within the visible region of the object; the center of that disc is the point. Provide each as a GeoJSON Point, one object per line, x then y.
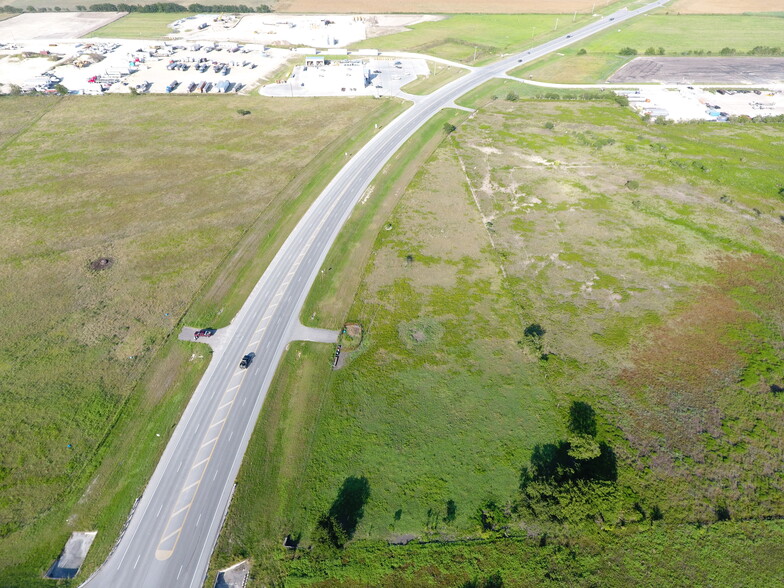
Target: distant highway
{"type": "Point", "coordinates": [173, 529]}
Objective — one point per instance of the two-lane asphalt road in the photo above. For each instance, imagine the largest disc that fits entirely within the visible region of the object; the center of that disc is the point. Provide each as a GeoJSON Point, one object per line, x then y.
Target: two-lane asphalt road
{"type": "Point", "coordinates": [171, 534]}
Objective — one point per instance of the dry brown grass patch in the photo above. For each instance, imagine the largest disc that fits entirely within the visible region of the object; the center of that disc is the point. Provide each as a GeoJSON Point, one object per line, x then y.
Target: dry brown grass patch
{"type": "Point", "coordinates": [437, 6]}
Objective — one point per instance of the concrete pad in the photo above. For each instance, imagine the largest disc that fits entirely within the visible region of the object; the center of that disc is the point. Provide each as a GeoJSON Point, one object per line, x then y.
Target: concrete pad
{"type": "Point", "coordinates": [72, 557]}
{"type": "Point", "coordinates": [54, 25]}
{"type": "Point", "coordinates": [234, 577]}
{"type": "Point", "coordinates": [303, 333]}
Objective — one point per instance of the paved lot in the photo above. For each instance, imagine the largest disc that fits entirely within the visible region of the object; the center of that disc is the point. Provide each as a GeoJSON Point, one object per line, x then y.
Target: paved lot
{"type": "Point", "coordinates": [360, 77]}
{"type": "Point", "coordinates": [55, 25]}
{"type": "Point", "coordinates": [702, 70]}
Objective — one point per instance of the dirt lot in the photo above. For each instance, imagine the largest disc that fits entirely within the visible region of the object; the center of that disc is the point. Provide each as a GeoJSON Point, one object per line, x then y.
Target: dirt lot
{"type": "Point", "coordinates": [723, 6]}
{"type": "Point", "coordinates": [64, 25]}
{"type": "Point", "coordinates": [702, 70]}
{"type": "Point", "coordinates": [439, 6]}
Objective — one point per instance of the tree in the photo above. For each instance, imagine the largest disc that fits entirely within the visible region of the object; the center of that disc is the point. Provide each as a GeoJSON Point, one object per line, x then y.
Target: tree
{"type": "Point", "coordinates": [650, 51]}
{"type": "Point", "coordinates": [512, 97]}
{"type": "Point", "coordinates": [449, 128]}
{"type": "Point", "coordinates": [628, 51]}
{"type": "Point", "coordinates": [61, 90]}
{"type": "Point", "coordinates": [582, 52]}
{"type": "Point", "coordinates": [549, 125]}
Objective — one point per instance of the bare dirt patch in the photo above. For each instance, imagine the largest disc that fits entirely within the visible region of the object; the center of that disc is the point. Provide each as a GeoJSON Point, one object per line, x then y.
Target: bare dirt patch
{"type": "Point", "coordinates": [723, 6]}
{"type": "Point", "coordinates": [102, 263]}
{"type": "Point", "coordinates": [440, 6]}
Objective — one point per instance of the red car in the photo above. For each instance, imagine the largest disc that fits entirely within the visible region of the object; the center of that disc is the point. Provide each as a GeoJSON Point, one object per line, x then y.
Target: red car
{"type": "Point", "coordinates": [204, 333]}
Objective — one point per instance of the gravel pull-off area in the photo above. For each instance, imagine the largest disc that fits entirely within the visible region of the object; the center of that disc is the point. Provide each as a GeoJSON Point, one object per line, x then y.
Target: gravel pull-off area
{"type": "Point", "coordinates": [72, 557]}
{"type": "Point", "coordinates": [702, 70]}
{"type": "Point", "coordinates": [234, 577]}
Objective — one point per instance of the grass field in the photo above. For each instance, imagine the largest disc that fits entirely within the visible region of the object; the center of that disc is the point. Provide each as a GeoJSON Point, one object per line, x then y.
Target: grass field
{"type": "Point", "coordinates": [572, 68]}
{"type": "Point", "coordinates": [576, 352]}
{"type": "Point", "coordinates": [475, 39]}
{"type": "Point", "coordinates": [675, 34]}
{"type": "Point", "coordinates": [440, 75]}
{"type": "Point", "coordinates": [188, 225]}
{"type": "Point", "coordinates": [679, 34]}
{"type": "Point", "coordinates": [139, 26]}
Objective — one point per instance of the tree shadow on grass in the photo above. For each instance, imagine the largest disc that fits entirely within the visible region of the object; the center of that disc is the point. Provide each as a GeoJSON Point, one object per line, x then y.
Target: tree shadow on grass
{"type": "Point", "coordinates": [552, 463]}
{"type": "Point", "coordinates": [340, 523]}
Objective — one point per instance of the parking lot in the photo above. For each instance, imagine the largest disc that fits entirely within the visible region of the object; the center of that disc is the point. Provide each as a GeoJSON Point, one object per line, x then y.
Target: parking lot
{"type": "Point", "coordinates": [360, 76]}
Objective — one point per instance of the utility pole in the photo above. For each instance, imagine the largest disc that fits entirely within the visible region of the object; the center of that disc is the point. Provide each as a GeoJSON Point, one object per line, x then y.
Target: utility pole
{"type": "Point", "coordinates": [474, 54]}
{"type": "Point", "coordinates": [575, 16]}
{"type": "Point", "coordinates": [556, 24]}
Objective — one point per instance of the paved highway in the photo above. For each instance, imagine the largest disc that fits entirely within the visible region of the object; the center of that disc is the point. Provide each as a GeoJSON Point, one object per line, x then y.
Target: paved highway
{"type": "Point", "coordinates": [173, 529]}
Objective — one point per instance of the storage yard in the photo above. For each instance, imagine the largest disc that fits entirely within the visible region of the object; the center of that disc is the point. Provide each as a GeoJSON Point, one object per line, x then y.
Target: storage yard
{"type": "Point", "coordinates": [206, 53]}
{"type": "Point", "coordinates": [682, 103]}
{"type": "Point", "coordinates": [144, 66]}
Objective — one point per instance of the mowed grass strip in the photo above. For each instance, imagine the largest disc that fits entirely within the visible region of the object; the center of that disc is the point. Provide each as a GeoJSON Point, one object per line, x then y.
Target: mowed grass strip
{"type": "Point", "coordinates": [169, 190]}
{"type": "Point", "coordinates": [136, 25]}
{"type": "Point", "coordinates": [440, 75]}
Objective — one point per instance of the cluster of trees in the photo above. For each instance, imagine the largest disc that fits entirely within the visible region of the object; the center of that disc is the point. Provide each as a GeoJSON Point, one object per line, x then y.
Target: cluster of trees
{"type": "Point", "coordinates": [758, 50]}
{"type": "Point", "coordinates": [144, 8]}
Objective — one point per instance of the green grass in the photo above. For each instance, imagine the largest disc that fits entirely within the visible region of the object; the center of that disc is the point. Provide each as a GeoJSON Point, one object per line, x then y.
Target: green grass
{"type": "Point", "coordinates": [682, 33]}
{"type": "Point", "coordinates": [139, 26]}
{"type": "Point", "coordinates": [440, 76]}
{"type": "Point", "coordinates": [475, 39]}
{"type": "Point", "coordinates": [572, 68]}
{"type": "Point", "coordinates": [327, 301]}
{"type": "Point", "coordinates": [657, 285]}
{"type": "Point", "coordinates": [189, 232]}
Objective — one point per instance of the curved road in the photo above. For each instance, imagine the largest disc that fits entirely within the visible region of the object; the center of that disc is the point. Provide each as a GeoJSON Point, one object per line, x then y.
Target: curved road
{"type": "Point", "coordinates": [173, 529]}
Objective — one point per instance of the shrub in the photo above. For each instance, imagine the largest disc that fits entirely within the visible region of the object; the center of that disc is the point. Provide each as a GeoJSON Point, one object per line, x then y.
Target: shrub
{"type": "Point", "coordinates": [582, 52]}
{"type": "Point", "coordinates": [628, 51]}
{"type": "Point", "coordinates": [512, 97]}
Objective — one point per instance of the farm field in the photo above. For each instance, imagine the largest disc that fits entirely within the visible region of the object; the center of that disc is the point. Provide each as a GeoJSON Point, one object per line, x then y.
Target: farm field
{"type": "Point", "coordinates": [434, 6]}
{"type": "Point", "coordinates": [72, 4]}
{"type": "Point", "coordinates": [139, 26]}
{"type": "Point", "coordinates": [572, 339]}
{"type": "Point", "coordinates": [722, 6]}
{"type": "Point", "coordinates": [474, 39]}
{"type": "Point", "coordinates": [91, 369]}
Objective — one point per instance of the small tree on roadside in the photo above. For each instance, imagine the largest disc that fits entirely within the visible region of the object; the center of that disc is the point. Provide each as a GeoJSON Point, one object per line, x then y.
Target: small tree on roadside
{"type": "Point", "coordinates": [512, 97]}
{"type": "Point", "coordinates": [449, 128]}
{"type": "Point", "coordinates": [650, 51]}
{"type": "Point", "coordinates": [628, 51]}
{"type": "Point", "coordinates": [582, 52]}
{"type": "Point", "coordinates": [61, 90]}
